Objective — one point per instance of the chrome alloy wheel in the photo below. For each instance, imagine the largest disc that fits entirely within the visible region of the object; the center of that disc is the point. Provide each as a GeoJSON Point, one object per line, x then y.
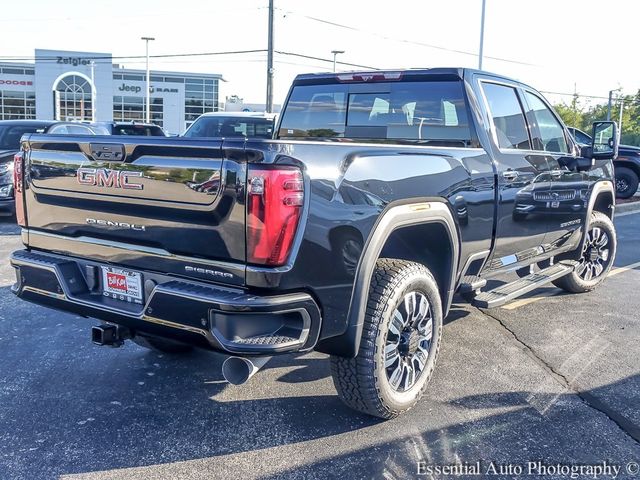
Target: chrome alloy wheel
{"type": "Point", "coordinates": [595, 255]}
{"type": "Point", "coordinates": [409, 341]}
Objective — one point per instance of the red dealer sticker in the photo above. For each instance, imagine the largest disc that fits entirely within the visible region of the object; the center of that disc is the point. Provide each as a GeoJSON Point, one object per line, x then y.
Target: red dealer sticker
{"type": "Point", "coordinates": [122, 284]}
{"type": "Point", "coordinates": [115, 281]}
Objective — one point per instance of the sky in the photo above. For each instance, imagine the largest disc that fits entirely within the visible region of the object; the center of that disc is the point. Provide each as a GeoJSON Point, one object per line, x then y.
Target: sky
{"type": "Point", "coordinates": [585, 46]}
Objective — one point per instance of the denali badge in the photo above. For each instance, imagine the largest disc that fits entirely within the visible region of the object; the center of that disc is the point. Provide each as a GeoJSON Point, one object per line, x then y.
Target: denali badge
{"type": "Point", "coordinates": [206, 271]}
{"type": "Point", "coordinates": [577, 221]}
{"type": "Point", "coordinates": [104, 177]}
{"type": "Point", "coordinates": [110, 223]}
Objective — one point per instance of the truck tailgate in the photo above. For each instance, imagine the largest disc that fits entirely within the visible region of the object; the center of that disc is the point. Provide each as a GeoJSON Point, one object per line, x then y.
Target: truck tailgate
{"type": "Point", "coordinates": [155, 204]}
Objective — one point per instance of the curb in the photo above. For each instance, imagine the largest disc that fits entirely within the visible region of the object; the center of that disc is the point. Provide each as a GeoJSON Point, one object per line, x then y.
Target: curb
{"type": "Point", "coordinates": [628, 207]}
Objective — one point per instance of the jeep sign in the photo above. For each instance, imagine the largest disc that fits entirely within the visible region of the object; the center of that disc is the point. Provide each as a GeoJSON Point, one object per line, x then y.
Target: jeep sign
{"type": "Point", "coordinates": [153, 89]}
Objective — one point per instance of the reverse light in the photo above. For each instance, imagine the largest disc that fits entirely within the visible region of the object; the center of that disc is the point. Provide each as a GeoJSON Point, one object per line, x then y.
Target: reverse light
{"type": "Point", "coordinates": [274, 204]}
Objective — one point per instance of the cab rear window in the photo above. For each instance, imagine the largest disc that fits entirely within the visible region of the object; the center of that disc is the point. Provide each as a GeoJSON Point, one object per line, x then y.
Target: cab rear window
{"type": "Point", "coordinates": [430, 112]}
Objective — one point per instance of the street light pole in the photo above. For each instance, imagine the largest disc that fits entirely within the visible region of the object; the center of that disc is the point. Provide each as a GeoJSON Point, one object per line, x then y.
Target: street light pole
{"type": "Point", "coordinates": [92, 63]}
{"type": "Point", "coordinates": [269, 103]}
{"type": "Point", "coordinates": [335, 54]}
{"type": "Point", "coordinates": [147, 40]}
{"type": "Point", "coordinates": [620, 117]}
{"type": "Point", "coordinates": [484, 5]}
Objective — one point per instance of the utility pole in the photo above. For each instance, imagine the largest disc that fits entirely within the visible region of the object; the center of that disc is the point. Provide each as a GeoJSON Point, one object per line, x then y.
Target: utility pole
{"type": "Point", "coordinates": [148, 116]}
{"type": "Point", "coordinates": [609, 105]}
{"type": "Point", "coordinates": [484, 5]}
{"type": "Point", "coordinates": [269, 105]}
{"type": "Point", "coordinates": [574, 104]}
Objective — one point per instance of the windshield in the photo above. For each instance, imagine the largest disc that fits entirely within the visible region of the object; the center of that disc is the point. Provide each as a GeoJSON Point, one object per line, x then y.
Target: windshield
{"type": "Point", "coordinates": [10, 135]}
{"type": "Point", "coordinates": [144, 130]}
{"type": "Point", "coordinates": [581, 137]}
{"type": "Point", "coordinates": [218, 126]}
{"type": "Point", "coordinates": [426, 112]}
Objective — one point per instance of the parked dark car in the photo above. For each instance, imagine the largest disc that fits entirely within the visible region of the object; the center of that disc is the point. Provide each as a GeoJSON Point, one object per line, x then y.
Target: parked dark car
{"type": "Point", "coordinates": [627, 165]}
{"type": "Point", "coordinates": [10, 133]}
{"type": "Point", "coordinates": [381, 195]}
{"type": "Point", "coordinates": [232, 125]}
{"type": "Point", "coordinates": [134, 128]}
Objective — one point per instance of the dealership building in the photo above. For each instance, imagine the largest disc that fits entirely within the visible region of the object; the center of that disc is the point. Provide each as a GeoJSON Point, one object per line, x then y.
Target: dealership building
{"type": "Point", "coordinates": [88, 86]}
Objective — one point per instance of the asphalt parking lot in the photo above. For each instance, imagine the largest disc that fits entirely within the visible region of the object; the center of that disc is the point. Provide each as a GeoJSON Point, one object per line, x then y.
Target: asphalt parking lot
{"type": "Point", "coordinates": [553, 378]}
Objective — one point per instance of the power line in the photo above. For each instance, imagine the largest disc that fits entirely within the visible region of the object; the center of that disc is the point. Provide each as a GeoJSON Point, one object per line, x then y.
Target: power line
{"type": "Point", "coordinates": [133, 57]}
{"type": "Point", "coordinates": [574, 95]}
{"type": "Point", "coordinates": [401, 40]}
{"type": "Point", "coordinates": [108, 59]}
{"type": "Point", "coordinates": [617, 99]}
{"type": "Point", "coordinates": [311, 57]}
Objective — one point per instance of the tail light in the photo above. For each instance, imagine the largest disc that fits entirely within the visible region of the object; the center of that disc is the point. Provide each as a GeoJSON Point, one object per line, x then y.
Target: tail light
{"type": "Point", "coordinates": [274, 204]}
{"type": "Point", "coordinates": [18, 187]}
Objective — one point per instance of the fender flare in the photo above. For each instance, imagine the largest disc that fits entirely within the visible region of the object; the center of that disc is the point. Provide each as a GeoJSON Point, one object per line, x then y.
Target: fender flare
{"type": "Point", "coordinates": [598, 189]}
{"type": "Point", "coordinates": [394, 217]}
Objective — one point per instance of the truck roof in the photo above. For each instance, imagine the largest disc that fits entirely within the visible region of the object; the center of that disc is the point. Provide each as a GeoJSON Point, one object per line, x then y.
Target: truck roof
{"type": "Point", "coordinates": [444, 73]}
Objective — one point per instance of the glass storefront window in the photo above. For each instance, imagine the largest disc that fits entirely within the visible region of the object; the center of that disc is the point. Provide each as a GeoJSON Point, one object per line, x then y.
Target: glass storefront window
{"type": "Point", "coordinates": [73, 99]}
{"type": "Point", "coordinates": [200, 97]}
{"type": "Point", "coordinates": [17, 105]}
{"type": "Point", "coordinates": [127, 109]}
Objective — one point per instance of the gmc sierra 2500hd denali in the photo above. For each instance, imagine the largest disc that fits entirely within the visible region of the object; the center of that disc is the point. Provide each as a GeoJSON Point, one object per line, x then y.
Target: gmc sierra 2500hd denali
{"type": "Point", "coordinates": [382, 194]}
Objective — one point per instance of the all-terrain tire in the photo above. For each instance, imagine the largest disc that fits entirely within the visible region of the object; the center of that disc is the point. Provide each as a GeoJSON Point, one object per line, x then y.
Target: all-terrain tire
{"type": "Point", "coordinates": [626, 182]}
{"type": "Point", "coordinates": [577, 283]}
{"type": "Point", "coordinates": [362, 382]}
{"type": "Point", "coordinates": [161, 344]}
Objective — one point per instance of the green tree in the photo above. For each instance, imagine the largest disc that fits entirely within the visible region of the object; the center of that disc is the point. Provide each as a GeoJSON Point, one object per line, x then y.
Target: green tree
{"type": "Point", "coordinates": [577, 115]}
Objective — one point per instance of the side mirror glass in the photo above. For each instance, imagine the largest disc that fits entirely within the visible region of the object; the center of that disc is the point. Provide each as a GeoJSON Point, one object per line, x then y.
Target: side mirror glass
{"type": "Point", "coordinates": [604, 144]}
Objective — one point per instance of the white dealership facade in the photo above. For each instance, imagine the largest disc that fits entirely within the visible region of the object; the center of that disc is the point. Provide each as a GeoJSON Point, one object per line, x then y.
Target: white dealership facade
{"type": "Point", "coordinates": [88, 86]}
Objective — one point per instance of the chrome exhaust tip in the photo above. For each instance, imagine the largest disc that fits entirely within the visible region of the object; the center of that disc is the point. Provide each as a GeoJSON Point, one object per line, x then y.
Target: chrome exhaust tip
{"type": "Point", "coordinates": [237, 370]}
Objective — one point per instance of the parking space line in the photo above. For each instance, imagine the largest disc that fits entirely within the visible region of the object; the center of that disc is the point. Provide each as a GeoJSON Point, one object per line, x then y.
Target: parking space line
{"type": "Point", "coordinates": [527, 301]}
{"type": "Point", "coordinates": [624, 214]}
{"type": "Point", "coordinates": [626, 268]}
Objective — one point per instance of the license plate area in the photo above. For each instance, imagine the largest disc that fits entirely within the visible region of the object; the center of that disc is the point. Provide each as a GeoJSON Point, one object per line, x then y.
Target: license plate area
{"type": "Point", "coordinates": [121, 284]}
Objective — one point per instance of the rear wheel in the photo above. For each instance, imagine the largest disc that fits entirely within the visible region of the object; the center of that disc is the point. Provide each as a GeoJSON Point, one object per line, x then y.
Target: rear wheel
{"type": "Point", "coordinates": [596, 260]}
{"type": "Point", "coordinates": [161, 344]}
{"type": "Point", "coordinates": [626, 182]}
{"type": "Point", "coordinates": [399, 344]}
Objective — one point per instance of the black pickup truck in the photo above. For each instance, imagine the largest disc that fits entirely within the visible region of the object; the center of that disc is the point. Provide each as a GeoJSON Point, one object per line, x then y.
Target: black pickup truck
{"type": "Point", "coordinates": [626, 165]}
{"type": "Point", "coordinates": [382, 194]}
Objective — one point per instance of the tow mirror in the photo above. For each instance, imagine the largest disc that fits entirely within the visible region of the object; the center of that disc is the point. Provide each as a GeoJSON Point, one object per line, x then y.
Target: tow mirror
{"type": "Point", "coordinates": [604, 143]}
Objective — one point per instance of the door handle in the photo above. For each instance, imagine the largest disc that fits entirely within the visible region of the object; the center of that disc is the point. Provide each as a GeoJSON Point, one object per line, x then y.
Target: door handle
{"type": "Point", "coordinates": [510, 175]}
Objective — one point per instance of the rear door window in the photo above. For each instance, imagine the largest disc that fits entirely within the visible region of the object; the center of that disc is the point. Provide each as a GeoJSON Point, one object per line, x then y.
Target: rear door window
{"type": "Point", "coordinates": [507, 115]}
{"type": "Point", "coordinates": [428, 112]}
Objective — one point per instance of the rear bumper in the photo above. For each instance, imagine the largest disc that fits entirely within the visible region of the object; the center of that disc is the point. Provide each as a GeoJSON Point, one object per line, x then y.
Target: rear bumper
{"type": "Point", "coordinates": [223, 319]}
